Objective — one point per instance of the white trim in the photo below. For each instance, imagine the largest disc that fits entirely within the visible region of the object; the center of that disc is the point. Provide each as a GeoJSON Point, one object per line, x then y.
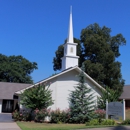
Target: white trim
{"type": "Point", "coordinates": [75, 44]}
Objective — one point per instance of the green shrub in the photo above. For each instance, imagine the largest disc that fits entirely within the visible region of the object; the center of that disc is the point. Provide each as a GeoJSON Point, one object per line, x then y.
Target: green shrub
{"type": "Point", "coordinates": [93, 122]}
{"type": "Point", "coordinates": [100, 122]}
{"type": "Point", "coordinates": [21, 116]}
{"type": "Point", "coordinates": [108, 122]}
{"type": "Point", "coordinates": [40, 115]}
{"type": "Point", "coordinates": [126, 122]}
{"type": "Point", "coordinates": [100, 114]}
{"type": "Point", "coordinates": [59, 116]}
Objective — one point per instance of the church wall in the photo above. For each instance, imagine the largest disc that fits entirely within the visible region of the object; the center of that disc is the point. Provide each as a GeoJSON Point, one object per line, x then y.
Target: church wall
{"type": "Point", "coordinates": [63, 84]}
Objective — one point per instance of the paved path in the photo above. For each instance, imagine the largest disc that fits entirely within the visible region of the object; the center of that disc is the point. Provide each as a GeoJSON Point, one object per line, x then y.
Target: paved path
{"type": "Point", "coordinates": [111, 128]}
{"type": "Point", "coordinates": [9, 126]}
{"type": "Point", "coordinates": [7, 123]}
{"type": "Point", "coordinates": [6, 117]}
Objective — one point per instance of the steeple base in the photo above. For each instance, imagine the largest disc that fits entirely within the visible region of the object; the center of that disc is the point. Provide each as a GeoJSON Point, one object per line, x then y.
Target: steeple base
{"type": "Point", "coordinates": [69, 61]}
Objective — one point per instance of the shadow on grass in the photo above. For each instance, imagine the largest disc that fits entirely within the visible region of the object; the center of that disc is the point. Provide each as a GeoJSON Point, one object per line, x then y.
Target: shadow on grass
{"type": "Point", "coordinates": [120, 128]}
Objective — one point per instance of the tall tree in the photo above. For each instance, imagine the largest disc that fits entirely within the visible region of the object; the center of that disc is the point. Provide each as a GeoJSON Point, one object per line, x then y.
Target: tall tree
{"type": "Point", "coordinates": [99, 52]}
{"type": "Point", "coordinates": [37, 97]}
{"type": "Point", "coordinates": [16, 69]}
{"type": "Point", "coordinates": [82, 101]}
{"type": "Point", "coordinates": [107, 94]}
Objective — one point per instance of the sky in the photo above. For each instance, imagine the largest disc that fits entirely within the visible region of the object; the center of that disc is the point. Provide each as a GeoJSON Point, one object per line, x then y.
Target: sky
{"type": "Point", "coordinates": [35, 28]}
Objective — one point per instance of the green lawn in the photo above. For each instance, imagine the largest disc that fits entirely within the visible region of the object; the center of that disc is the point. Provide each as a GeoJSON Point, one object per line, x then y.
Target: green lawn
{"type": "Point", "coordinates": [48, 126]}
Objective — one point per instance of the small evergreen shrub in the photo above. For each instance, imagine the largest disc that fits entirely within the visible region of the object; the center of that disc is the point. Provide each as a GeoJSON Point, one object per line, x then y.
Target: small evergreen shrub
{"type": "Point", "coordinates": [126, 122]}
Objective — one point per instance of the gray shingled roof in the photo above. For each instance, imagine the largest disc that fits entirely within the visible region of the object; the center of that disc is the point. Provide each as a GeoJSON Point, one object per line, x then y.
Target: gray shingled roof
{"type": "Point", "coordinates": [126, 92]}
{"type": "Point", "coordinates": [7, 89]}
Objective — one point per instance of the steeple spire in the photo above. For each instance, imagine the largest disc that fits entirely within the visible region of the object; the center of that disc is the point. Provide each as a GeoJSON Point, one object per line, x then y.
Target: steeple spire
{"type": "Point", "coordinates": [70, 31]}
{"type": "Point", "coordinates": [70, 58]}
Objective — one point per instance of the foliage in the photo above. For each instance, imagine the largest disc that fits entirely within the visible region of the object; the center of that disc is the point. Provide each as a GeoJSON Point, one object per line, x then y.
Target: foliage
{"type": "Point", "coordinates": [100, 122]}
{"type": "Point", "coordinates": [108, 94]}
{"type": "Point", "coordinates": [16, 69]}
{"type": "Point", "coordinates": [37, 97]}
{"type": "Point", "coordinates": [100, 114]}
{"type": "Point", "coordinates": [40, 115]}
{"type": "Point", "coordinates": [21, 116]}
{"type": "Point", "coordinates": [59, 116]}
{"type": "Point", "coordinates": [93, 122]}
{"type": "Point", "coordinates": [81, 101]}
{"type": "Point", "coordinates": [108, 122]}
{"type": "Point", "coordinates": [99, 52]}
{"type": "Point", "coordinates": [126, 122]}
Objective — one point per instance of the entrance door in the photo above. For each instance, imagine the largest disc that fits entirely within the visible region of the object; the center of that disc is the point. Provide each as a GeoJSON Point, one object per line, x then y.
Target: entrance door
{"type": "Point", "coordinates": [7, 106]}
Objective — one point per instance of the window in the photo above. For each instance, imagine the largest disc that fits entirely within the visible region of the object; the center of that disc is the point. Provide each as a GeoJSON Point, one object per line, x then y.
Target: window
{"type": "Point", "coordinates": [71, 49]}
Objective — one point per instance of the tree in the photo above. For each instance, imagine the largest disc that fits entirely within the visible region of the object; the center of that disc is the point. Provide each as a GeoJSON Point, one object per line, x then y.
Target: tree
{"type": "Point", "coordinates": [37, 97]}
{"type": "Point", "coordinates": [81, 101]}
{"type": "Point", "coordinates": [99, 51]}
{"type": "Point", "coordinates": [16, 69]}
{"type": "Point", "coordinates": [108, 94]}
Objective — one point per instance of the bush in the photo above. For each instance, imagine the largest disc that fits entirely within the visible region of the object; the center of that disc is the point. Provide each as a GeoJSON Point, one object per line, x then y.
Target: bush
{"type": "Point", "coordinates": [108, 122]}
{"type": "Point", "coordinates": [126, 122]}
{"type": "Point", "coordinates": [21, 116]}
{"type": "Point", "coordinates": [100, 114]}
{"type": "Point", "coordinates": [100, 122]}
{"type": "Point", "coordinates": [93, 122]}
{"type": "Point", "coordinates": [59, 116]}
{"type": "Point", "coordinates": [40, 115]}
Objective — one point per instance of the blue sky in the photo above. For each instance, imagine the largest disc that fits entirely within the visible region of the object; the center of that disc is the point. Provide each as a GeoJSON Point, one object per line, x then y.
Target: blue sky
{"type": "Point", "coordinates": [35, 28]}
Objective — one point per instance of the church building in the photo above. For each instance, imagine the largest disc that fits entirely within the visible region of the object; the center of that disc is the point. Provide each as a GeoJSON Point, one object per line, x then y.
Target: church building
{"type": "Point", "coordinates": [63, 83]}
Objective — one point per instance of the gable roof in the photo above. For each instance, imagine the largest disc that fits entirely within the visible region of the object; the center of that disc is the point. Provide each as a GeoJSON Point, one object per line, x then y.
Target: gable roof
{"type": "Point", "coordinates": [126, 92]}
{"type": "Point", "coordinates": [7, 89]}
{"type": "Point", "coordinates": [61, 73]}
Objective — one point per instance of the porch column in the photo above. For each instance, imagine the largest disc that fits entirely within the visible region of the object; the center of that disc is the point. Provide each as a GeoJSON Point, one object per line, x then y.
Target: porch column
{"type": "Point", "coordinates": [0, 105]}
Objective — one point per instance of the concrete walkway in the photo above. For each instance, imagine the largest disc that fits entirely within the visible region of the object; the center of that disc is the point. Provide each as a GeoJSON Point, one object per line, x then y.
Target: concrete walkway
{"type": "Point", "coordinates": [6, 117]}
{"type": "Point", "coordinates": [7, 123]}
{"type": "Point", "coordinates": [9, 126]}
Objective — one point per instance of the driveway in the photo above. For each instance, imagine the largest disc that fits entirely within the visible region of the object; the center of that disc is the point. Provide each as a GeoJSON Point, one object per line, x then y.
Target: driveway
{"type": "Point", "coordinates": [6, 117]}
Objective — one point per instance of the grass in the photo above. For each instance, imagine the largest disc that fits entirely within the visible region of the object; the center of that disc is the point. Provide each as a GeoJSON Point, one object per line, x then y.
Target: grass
{"type": "Point", "coordinates": [48, 126]}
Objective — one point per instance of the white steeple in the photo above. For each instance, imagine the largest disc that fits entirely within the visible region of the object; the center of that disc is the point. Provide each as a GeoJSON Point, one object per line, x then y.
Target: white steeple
{"type": "Point", "coordinates": [70, 31]}
{"type": "Point", "coordinates": [70, 59]}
